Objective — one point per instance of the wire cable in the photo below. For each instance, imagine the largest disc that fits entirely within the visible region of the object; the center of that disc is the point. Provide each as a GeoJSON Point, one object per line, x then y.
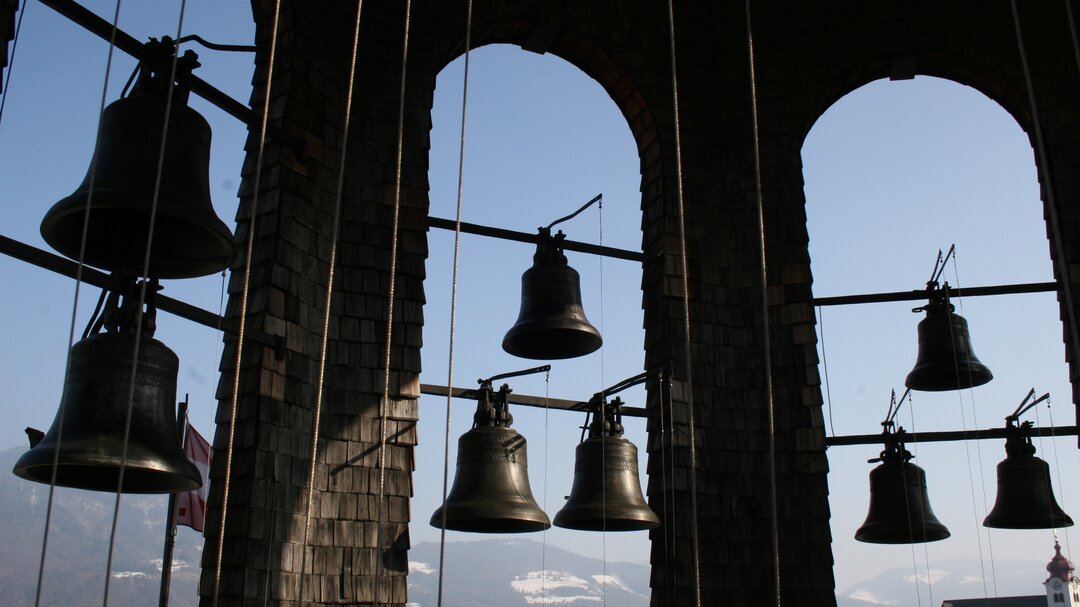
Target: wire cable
{"type": "Point", "coordinates": [139, 316]}
{"type": "Point", "coordinates": [694, 541]}
{"type": "Point", "coordinates": [666, 440]}
{"type": "Point", "coordinates": [774, 510]}
{"type": "Point", "coordinates": [825, 364]}
{"type": "Point", "coordinates": [967, 447]}
{"type": "Point", "coordinates": [334, 235]}
{"type": "Point", "coordinates": [244, 296]}
{"type": "Point", "coordinates": [383, 404]}
{"type": "Point", "coordinates": [1046, 178]}
{"type": "Point", "coordinates": [453, 303]}
{"type": "Point", "coordinates": [1057, 466]}
{"type": "Point", "coordinates": [59, 423]}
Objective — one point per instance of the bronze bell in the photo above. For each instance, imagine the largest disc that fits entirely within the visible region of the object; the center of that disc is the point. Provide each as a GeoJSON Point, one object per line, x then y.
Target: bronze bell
{"type": "Point", "coordinates": [189, 239]}
{"type": "Point", "coordinates": [606, 494]}
{"type": "Point", "coordinates": [551, 322]}
{"type": "Point", "coordinates": [899, 511]}
{"type": "Point", "coordinates": [945, 360]}
{"type": "Point", "coordinates": [491, 491]}
{"type": "Point", "coordinates": [95, 405]}
{"type": "Point", "coordinates": [1025, 497]}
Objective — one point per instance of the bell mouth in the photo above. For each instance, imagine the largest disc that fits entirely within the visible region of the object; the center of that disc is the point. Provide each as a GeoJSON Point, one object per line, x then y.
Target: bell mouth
{"type": "Point", "coordinates": [87, 443]}
{"type": "Point", "coordinates": [140, 475]}
{"type": "Point", "coordinates": [122, 184]}
{"type": "Point", "coordinates": [491, 492]}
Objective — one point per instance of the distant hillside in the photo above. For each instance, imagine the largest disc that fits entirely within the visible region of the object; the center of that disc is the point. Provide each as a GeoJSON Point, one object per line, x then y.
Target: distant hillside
{"type": "Point", "coordinates": [78, 546]}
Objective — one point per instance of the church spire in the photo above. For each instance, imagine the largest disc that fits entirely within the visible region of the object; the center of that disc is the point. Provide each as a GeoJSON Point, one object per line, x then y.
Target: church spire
{"type": "Point", "coordinates": [1060, 567]}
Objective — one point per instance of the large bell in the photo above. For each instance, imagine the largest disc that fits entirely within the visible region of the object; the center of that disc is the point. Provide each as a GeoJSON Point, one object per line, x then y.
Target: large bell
{"type": "Point", "coordinates": [1025, 498]}
{"type": "Point", "coordinates": [945, 360]}
{"type": "Point", "coordinates": [606, 494]}
{"type": "Point", "coordinates": [95, 404]}
{"type": "Point", "coordinates": [189, 239]}
{"type": "Point", "coordinates": [899, 511]}
{"type": "Point", "coordinates": [491, 491]}
{"type": "Point", "coordinates": [551, 322]}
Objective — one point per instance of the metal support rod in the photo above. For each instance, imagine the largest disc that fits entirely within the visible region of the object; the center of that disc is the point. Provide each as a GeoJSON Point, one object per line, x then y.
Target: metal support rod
{"type": "Point", "coordinates": [939, 437]}
{"type": "Point", "coordinates": [920, 294]}
{"type": "Point", "coordinates": [591, 202]}
{"type": "Point", "coordinates": [529, 401]}
{"type": "Point", "coordinates": [508, 375]}
{"type": "Point", "coordinates": [94, 24]}
{"type": "Point", "coordinates": [66, 267]}
{"type": "Point", "coordinates": [569, 245]}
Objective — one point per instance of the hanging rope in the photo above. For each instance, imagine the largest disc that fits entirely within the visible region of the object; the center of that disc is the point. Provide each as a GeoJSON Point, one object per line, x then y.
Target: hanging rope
{"type": "Point", "coordinates": [244, 293]}
{"type": "Point", "coordinates": [453, 304]}
{"type": "Point", "coordinates": [11, 60]}
{"type": "Point", "coordinates": [765, 333]}
{"type": "Point", "coordinates": [142, 286]}
{"type": "Point", "coordinates": [1047, 180]}
{"type": "Point", "coordinates": [383, 404]}
{"type": "Point", "coordinates": [336, 227]}
{"type": "Point", "coordinates": [74, 312]}
{"type": "Point", "coordinates": [695, 551]}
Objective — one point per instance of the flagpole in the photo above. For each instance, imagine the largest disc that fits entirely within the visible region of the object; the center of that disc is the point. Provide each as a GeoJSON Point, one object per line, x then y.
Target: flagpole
{"type": "Point", "coordinates": [170, 521]}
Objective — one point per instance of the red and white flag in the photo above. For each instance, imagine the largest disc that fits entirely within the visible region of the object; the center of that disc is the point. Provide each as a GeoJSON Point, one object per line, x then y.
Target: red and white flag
{"type": "Point", "coordinates": [191, 506]}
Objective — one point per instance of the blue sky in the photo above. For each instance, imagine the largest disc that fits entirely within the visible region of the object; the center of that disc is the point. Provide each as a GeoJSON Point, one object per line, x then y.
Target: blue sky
{"type": "Point", "coordinates": [893, 172]}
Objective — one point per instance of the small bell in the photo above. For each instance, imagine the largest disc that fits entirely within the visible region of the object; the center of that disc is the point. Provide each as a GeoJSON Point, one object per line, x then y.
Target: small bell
{"type": "Point", "coordinates": [899, 510]}
{"type": "Point", "coordinates": [551, 322]}
{"type": "Point", "coordinates": [606, 494]}
{"type": "Point", "coordinates": [945, 360]}
{"type": "Point", "coordinates": [188, 239]}
{"type": "Point", "coordinates": [491, 492]}
{"type": "Point", "coordinates": [1025, 497]}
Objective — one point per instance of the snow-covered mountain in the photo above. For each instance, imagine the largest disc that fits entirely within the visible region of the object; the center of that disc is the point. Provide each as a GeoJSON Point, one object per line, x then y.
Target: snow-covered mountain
{"type": "Point", "coordinates": [948, 579]}
{"type": "Point", "coordinates": [523, 572]}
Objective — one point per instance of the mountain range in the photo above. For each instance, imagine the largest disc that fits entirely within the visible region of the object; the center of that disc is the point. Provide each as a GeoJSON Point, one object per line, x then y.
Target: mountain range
{"type": "Point", "coordinates": [490, 571]}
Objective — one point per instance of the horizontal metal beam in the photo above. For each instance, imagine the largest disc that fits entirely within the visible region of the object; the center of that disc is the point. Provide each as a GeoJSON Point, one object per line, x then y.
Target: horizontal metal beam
{"type": "Point", "coordinates": [127, 43]}
{"type": "Point", "coordinates": [939, 437]}
{"type": "Point", "coordinates": [569, 245]}
{"type": "Point", "coordinates": [66, 267]}
{"type": "Point", "coordinates": [921, 294]}
{"type": "Point", "coordinates": [542, 402]}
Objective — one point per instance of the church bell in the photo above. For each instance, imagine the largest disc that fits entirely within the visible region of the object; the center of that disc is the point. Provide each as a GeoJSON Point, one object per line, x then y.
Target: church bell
{"type": "Point", "coordinates": [491, 492]}
{"type": "Point", "coordinates": [1025, 497]}
{"type": "Point", "coordinates": [945, 360]}
{"type": "Point", "coordinates": [86, 440]}
{"type": "Point", "coordinates": [606, 493]}
{"type": "Point", "coordinates": [551, 322]}
{"type": "Point", "coordinates": [899, 510]}
{"type": "Point", "coordinates": [188, 237]}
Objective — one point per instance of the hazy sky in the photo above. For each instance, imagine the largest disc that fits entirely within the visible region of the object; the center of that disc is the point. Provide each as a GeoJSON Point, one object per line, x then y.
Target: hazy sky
{"type": "Point", "coordinates": [893, 172]}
